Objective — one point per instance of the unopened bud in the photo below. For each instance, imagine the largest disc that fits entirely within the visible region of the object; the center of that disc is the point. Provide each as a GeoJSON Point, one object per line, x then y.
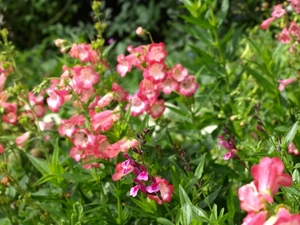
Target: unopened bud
{"type": "Point", "coordinates": [259, 128]}
{"type": "Point", "coordinates": [140, 31]}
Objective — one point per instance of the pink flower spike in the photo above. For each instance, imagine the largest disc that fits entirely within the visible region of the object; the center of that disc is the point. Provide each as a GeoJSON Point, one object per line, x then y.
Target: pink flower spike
{"type": "Point", "coordinates": [278, 11]}
{"type": "Point", "coordinates": [134, 190]}
{"type": "Point", "coordinates": [269, 175]}
{"type": "Point", "coordinates": [21, 140]}
{"type": "Point", "coordinates": [143, 176]}
{"type": "Point", "coordinates": [285, 82]}
{"type": "Point", "coordinates": [265, 24]}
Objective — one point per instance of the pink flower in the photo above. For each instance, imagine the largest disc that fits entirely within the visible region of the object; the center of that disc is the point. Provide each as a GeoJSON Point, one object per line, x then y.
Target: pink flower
{"type": "Point", "coordinates": [278, 11]}
{"type": "Point", "coordinates": [269, 176]}
{"type": "Point", "coordinates": [83, 139]}
{"type": "Point", "coordinates": [156, 53]}
{"type": "Point", "coordinates": [124, 66]}
{"type": "Point", "coordinates": [105, 100]}
{"type": "Point", "coordinates": [134, 190]}
{"type": "Point", "coordinates": [255, 218]}
{"type": "Point", "coordinates": [21, 140]}
{"type": "Point", "coordinates": [157, 108]}
{"type": "Point", "coordinates": [179, 73]}
{"type": "Point", "coordinates": [168, 85]}
{"type": "Point", "coordinates": [284, 217]}
{"type": "Point", "coordinates": [10, 115]}
{"type": "Point", "coordinates": [121, 93]}
{"type": "Point", "coordinates": [2, 80]}
{"type": "Point", "coordinates": [103, 121]}
{"type": "Point", "coordinates": [137, 105]}
{"type": "Point", "coordinates": [148, 91]}
{"type": "Point", "coordinates": [166, 190]}
{"type": "Point", "coordinates": [292, 149]}
{"type": "Point", "coordinates": [295, 4]}
{"type": "Point", "coordinates": [285, 82]}
{"type": "Point", "coordinates": [122, 145]}
{"type": "Point", "coordinates": [55, 99]}
{"type": "Point", "coordinates": [85, 77]}
{"type": "Point", "coordinates": [120, 171]}
{"type": "Point", "coordinates": [188, 87]}
{"type": "Point", "coordinates": [251, 200]}
{"type": "Point", "coordinates": [265, 24]}
{"type": "Point", "coordinates": [284, 37]}
{"type": "Point", "coordinates": [294, 29]}
{"type": "Point", "coordinates": [1, 148]}
{"type": "Point", "coordinates": [155, 72]}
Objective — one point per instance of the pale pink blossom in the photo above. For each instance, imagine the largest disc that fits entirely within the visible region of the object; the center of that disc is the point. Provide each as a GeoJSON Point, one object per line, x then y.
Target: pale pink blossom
{"type": "Point", "coordinates": [294, 29]}
{"type": "Point", "coordinates": [122, 145]}
{"type": "Point", "coordinates": [284, 217]}
{"type": "Point", "coordinates": [21, 140]}
{"type": "Point", "coordinates": [278, 11]}
{"type": "Point", "coordinates": [139, 31]}
{"type": "Point", "coordinates": [251, 200]}
{"type": "Point", "coordinates": [285, 82]}
{"type": "Point", "coordinates": [292, 149]}
{"type": "Point", "coordinates": [105, 100]}
{"type": "Point", "coordinates": [124, 66]}
{"type": "Point", "coordinates": [147, 90]}
{"type": "Point", "coordinates": [55, 99]}
{"type": "Point", "coordinates": [137, 105]}
{"type": "Point", "coordinates": [104, 120]}
{"type": "Point", "coordinates": [83, 139]}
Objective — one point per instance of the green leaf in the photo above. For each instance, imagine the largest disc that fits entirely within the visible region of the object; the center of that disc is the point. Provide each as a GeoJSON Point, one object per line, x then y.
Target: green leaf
{"type": "Point", "coordinates": [199, 169]}
{"type": "Point", "coordinates": [210, 198]}
{"type": "Point", "coordinates": [289, 136]}
{"type": "Point", "coordinates": [40, 164]}
{"type": "Point", "coordinates": [164, 221]}
{"type": "Point", "coordinates": [260, 78]}
{"type": "Point", "coordinates": [292, 190]}
{"type": "Point", "coordinates": [223, 12]}
{"type": "Point", "coordinates": [184, 198]}
{"type": "Point", "coordinates": [142, 212]}
{"type": "Point", "coordinates": [184, 215]}
{"type": "Point", "coordinates": [76, 177]}
{"type": "Point", "coordinates": [44, 179]}
{"type": "Point", "coordinates": [199, 214]}
{"type": "Point", "coordinates": [143, 205]}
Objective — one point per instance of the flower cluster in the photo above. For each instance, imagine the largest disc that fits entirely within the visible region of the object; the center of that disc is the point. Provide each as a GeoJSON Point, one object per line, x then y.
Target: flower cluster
{"type": "Point", "coordinates": [77, 84]}
{"type": "Point", "coordinates": [157, 78]}
{"type": "Point", "coordinates": [156, 188]}
{"type": "Point", "coordinates": [268, 177]}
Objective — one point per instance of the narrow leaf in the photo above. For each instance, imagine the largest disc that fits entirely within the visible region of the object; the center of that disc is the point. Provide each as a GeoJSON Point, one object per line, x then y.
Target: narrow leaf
{"type": "Point", "coordinates": [184, 198]}
{"type": "Point", "coordinates": [164, 221]}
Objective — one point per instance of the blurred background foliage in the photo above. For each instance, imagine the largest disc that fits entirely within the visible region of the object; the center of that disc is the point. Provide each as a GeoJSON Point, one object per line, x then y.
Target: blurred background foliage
{"type": "Point", "coordinates": [33, 25]}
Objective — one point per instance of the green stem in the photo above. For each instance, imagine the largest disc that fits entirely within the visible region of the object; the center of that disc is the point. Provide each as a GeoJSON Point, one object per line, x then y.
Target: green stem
{"type": "Point", "coordinates": [120, 210]}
